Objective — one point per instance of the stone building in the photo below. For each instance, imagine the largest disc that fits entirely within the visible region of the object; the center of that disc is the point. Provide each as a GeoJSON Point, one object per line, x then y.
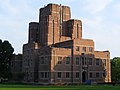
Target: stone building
{"type": "Point", "coordinates": [56, 53]}
{"type": "Point", "coordinates": [16, 67]}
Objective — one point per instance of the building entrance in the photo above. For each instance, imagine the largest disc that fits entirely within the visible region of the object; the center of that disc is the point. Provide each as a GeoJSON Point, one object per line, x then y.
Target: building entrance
{"type": "Point", "coordinates": [84, 74]}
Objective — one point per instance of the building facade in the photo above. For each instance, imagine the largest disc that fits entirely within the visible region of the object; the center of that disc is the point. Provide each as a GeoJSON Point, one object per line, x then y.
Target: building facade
{"type": "Point", "coordinates": [16, 67]}
{"type": "Point", "coordinates": [56, 53]}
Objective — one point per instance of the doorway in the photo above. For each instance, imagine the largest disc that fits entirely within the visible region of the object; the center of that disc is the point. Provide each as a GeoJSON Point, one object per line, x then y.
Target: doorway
{"type": "Point", "coordinates": [84, 74]}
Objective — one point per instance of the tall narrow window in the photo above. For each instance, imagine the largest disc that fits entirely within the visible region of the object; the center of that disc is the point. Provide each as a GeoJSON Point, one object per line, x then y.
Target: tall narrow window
{"type": "Point", "coordinates": [42, 74]}
{"type": "Point", "coordinates": [61, 19]}
{"type": "Point", "coordinates": [37, 35]}
{"type": "Point", "coordinates": [77, 31]}
{"type": "Point", "coordinates": [90, 74]}
{"type": "Point", "coordinates": [77, 60]}
{"type": "Point", "coordinates": [42, 60]}
{"type": "Point", "coordinates": [67, 75]}
{"type": "Point", "coordinates": [90, 61]}
{"type": "Point", "coordinates": [46, 60]}
{"type": "Point", "coordinates": [67, 60]}
{"type": "Point", "coordinates": [97, 61]}
{"type": "Point", "coordinates": [53, 32]}
{"type": "Point", "coordinates": [97, 75]}
{"type": "Point", "coordinates": [59, 75]}
{"type": "Point", "coordinates": [84, 49]}
{"type": "Point", "coordinates": [104, 62]}
{"type": "Point", "coordinates": [77, 48]}
{"type": "Point", "coordinates": [61, 14]}
{"type": "Point", "coordinates": [46, 74]}
{"type": "Point", "coordinates": [82, 60]}
{"type": "Point", "coordinates": [77, 74]}
{"type": "Point", "coordinates": [90, 49]}
{"type": "Point", "coordinates": [59, 60]}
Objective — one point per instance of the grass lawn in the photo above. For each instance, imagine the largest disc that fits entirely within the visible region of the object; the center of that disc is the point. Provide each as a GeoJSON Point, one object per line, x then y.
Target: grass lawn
{"type": "Point", "coordinates": [75, 87]}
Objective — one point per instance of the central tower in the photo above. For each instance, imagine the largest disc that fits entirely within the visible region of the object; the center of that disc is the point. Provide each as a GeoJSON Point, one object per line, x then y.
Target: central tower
{"type": "Point", "coordinates": [54, 26]}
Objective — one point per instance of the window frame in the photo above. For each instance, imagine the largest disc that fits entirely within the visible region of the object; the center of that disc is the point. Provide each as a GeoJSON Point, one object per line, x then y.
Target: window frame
{"type": "Point", "coordinates": [59, 60]}
{"type": "Point", "coordinates": [67, 75]}
{"type": "Point", "coordinates": [90, 61]}
{"type": "Point", "coordinates": [77, 48]}
{"type": "Point", "coordinates": [97, 75]}
{"type": "Point", "coordinates": [90, 75]}
{"type": "Point", "coordinates": [90, 49]}
{"type": "Point", "coordinates": [83, 49]}
{"type": "Point", "coordinates": [97, 62]}
{"type": "Point", "coordinates": [77, 60]}
{"type": "Point", "coordinates": [67, 60]}
{"type": "Point", "coordinates": [59, 75]}
{"type": "Point", "coordinates": [77, 74]}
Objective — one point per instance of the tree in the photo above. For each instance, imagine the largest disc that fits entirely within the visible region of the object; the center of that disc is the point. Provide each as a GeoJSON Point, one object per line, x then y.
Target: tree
{"type": "Point", "coordinates": [6, 53]}
{"type": "Point", "coordinates": [115, 69]}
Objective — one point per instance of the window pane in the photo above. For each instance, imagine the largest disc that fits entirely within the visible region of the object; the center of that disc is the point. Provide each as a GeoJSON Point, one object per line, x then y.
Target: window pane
{"type": "Point", "coordinates": [46, 60]}
{"type": "Point", "coordinates": [59, 74]}
{"type": "Point", "coordinates": [90, 75]}
{"type": "Point", "coordinates": [67, 75]}
{"type": "Point", "coordinates": [42, 60]}
{"type": "Point", "coordinates": [84, 49]}
{"type": "Point", "coordinates": [45, 74]}
{"type": "Point", "coordinates": [90, 61]}
{"type": "Point", "coordinates": [42, 74]}
{"type": "Point", "coordinates": [77, 48]}
{"type": "Point", "coordinates": [90, 49]}
{"type": "Point", "coordinates": [104, 62]}
{"type": "Point", "coordinates": [82, 60]}
{"type": "Point", "coordinates": [67, 60]}
{"type": "Point", "coordinates": [97, 75]}
{"type": "Point", "coordinates": [59, 60]}
{"type": "Point", "coordinates": [77, 60]}
{"type": "Point", "coordinates": [77, 74]}
{"type": "Point", "coordinates": [97, 61]}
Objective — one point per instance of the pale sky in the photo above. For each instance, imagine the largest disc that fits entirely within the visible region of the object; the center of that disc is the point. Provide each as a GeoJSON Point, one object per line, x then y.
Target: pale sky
{"type": "Point", "coordinates": [100, 19]}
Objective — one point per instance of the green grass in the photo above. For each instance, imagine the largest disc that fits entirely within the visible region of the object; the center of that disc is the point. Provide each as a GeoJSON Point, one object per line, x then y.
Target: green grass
{"type": "Point", "coordinates": [73, 87]}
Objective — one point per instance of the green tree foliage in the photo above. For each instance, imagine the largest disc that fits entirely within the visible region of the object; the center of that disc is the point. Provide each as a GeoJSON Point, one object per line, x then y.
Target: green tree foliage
{"type": "Point", "coordinates": [115, 69]}
{"type": "Point", "coordinates": [6, 53]}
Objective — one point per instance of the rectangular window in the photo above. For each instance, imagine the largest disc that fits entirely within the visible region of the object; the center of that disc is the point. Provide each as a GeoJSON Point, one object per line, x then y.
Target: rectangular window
{"type": "Point", "coordinates": [77, 48]}
{"type": "Point", "coordinates": [59, 75]}
{"type": "Point", "coordinates": [12, 64]}
{"type": "Point", "coordinates": [90, 49]}
{"type": "Point", "coordinates": [85, 61]}
{"type": "Point", "coordinates": [84, 49]}
{"type": "Point", "coordinates": [90, 61]}
{"type": "Point", "coordinates": [67, 60]}
{"type": "Point", "coordinates": [77, 60]}
{"type": "Point", "coordinates": [59, 60]}
{"type": "Point", "coordinates": [82, 60]}
{"type": "Point", "coordinates": [97, 75]}
{"type": "Point", "coordinates": [104, 62]}
{"type": "Point", "coordinates": [77, 74]}
{"type": "Point", "coordinates": [53, 31]}
{"type": "Point", "coordinates": [46, 74]}
{"type": "Point", "coordinates": [42, 74]}
{"type": "Point", "coordinates": [97, 61]}
{"type": "Point", "coordinates": [42, 60]}
{"type": "Point", "coordinates": [67, 75]}
{"type": "Point", "coordinates": [45, 60]}
{"type": "Point", "coordinates": [77, 33]}
{"type": "Point", "coordinates": [100, 75]}
{"type": "Point", "coordinates": [90, 75]}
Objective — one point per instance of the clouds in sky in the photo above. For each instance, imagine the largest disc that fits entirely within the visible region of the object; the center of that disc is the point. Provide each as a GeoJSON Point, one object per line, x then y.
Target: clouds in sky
{"type": "Point", "coordinates": [101, 20]}
{"type": "Point", "coordinates": [95, 6]}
